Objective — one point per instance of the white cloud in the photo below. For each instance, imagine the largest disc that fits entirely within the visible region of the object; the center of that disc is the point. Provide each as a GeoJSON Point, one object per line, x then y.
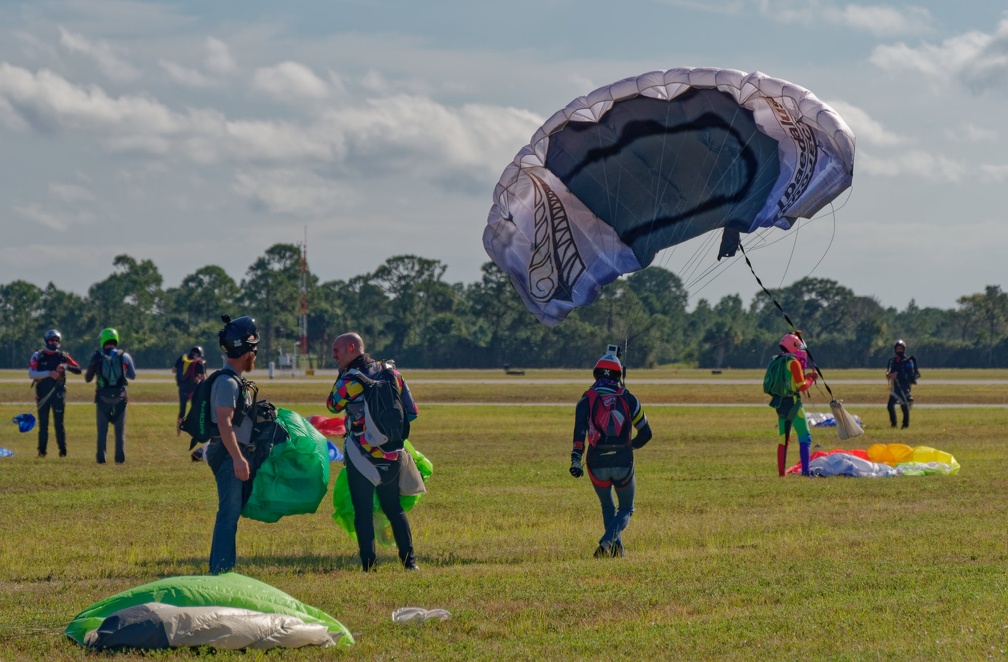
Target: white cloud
{"type": "Point", "coordinates": [471, 141]}
{"type": "Point", "coordinates": [185, 75]}
{"type": "Point", "coordinates": [218, 57]}
{"type": "Point", "coordinates": [109, 63]}
{"type": "Point", "coordinates": [866, 129]}
{"type": "Point", "coordinates": [291, 192]}
{"type": "Point", "coordinates": [971, 133]}
{"type": "Point", "coordinates": [54, 220]}
{"type": "Point", "coordinates": [48, 101]}
{"type": "Point", "coordinates": [290, 82]}
{"type": "Point", "coordinates": [914, 163]}
{"type": "Point", "coordinates": [994, 174]}
{"type": "Point", "coordinates": [976, 59]}
{"type": "Point", "coordinates": [879, 20]}
{"type": "Point", "coordinates": [71, 193]}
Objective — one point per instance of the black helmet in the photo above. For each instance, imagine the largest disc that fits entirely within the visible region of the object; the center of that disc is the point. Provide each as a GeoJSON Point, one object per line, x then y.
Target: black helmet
{"type": "Point", "coordinates": [900, 343]}
{"type": "Point", "coordinates": [238, 337]}
{"type": "Point", "coordinates": [196, 351]}
{"type": "Point", "coordinates": [50, 334]}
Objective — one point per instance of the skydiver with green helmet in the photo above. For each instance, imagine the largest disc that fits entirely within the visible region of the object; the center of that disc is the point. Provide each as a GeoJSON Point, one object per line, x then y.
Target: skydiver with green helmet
{"type": "Point", "coordinates": [113, 368]}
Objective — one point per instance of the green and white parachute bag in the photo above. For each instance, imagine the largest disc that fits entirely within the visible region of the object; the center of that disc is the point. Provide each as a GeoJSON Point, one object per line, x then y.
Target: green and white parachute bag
{"type": "Point", "coordinates": [294, 478]}
{"type": "Point", "coordinates": [229, 611]}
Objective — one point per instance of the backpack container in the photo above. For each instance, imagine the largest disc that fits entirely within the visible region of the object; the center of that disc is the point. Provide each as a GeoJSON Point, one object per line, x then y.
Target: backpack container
{"type": "Point", "coordinates": [385, 423]}
{"type": "Point", "coordinates": [608, 419]}
{"type": "Point", "coordinates": [198, 423]}
{"type": "Point", "coordinates": [777, 380]}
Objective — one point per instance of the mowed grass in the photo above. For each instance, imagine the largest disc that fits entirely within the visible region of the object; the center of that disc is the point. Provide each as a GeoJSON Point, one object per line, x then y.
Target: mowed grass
{"type": "Point", "coordinates": [724, 559]}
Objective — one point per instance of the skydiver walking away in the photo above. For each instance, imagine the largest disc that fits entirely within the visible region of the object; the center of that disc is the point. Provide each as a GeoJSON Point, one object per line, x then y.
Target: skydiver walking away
{"type": "Point", "coordinates": [113, 368]}
{"type": "Point", "coordinates": [47, 369]}
{"type": "Point", "coordinates": [604, 418]}
{"type": "Point", "coordinates": [189, 370]}
{"type": "Point", "coordinates": [785, 381]}
{"type": "Point", "coordinates": [902, 375]}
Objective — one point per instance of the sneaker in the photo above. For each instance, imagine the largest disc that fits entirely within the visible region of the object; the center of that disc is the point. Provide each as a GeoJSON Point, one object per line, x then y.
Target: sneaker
{"type": "Point", "coordinates": [41, 454]}
{"type": "Point", "coordinates": [63, 453]}
{"type": "Point", "coordinates": [603, 550]}
{"type": "Point", "coordinates": [411, 566]}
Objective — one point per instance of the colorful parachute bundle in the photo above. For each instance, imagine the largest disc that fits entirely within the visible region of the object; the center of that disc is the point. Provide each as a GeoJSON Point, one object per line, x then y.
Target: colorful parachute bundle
{"type": "Point", "coordinates": [652, 161]}
{"type": "Point", "coordinates": [294, 479]}
{"type": "Point", "coordinates": [880, 460]}
{"type": "Point", "coordinates": [343, 512]}
{"type": "Point", "coordinates": [228, 611]}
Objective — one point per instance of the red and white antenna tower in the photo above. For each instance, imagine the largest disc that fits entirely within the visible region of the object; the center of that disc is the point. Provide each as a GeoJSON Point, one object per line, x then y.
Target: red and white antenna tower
{"type": "Point", "coordinates": [303, 300]}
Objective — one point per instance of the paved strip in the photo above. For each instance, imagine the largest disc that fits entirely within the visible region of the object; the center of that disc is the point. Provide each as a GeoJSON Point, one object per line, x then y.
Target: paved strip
{"type": "Point", "coordinates": [647, 405]}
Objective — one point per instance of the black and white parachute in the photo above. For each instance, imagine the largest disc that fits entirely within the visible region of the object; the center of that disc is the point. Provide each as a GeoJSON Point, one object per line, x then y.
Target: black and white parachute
{"type": "Point", "coordinates": [651, 161]}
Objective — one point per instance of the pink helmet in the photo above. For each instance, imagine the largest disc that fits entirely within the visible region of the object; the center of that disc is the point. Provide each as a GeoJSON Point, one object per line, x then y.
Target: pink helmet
{"type": "Point", "coordinates": [792, 344]}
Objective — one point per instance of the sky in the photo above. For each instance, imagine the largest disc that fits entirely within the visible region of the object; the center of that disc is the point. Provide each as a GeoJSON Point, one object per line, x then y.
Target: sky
{"type": "Point", "coordinates": [193, 133]}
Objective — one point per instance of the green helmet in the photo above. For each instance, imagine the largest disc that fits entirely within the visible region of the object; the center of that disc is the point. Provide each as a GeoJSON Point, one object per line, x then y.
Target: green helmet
{"type": "Point", "coordinates": [107, 335]}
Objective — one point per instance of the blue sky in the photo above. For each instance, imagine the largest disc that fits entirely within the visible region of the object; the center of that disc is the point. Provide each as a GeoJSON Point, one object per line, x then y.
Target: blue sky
{"type": "Point", "coordinates": [195, 133]}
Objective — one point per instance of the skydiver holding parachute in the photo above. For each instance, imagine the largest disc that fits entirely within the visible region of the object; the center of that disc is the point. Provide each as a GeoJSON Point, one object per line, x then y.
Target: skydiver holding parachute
{"type": "Point", "coordinates": [604, 417]}
{"type": "Point", "coordinates": [785, 380]}
{"type": "Point", "coordinates": [47, 369]}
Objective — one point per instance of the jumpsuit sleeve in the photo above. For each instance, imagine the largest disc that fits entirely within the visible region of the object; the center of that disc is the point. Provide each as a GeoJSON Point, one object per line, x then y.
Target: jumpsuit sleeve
{"type": "Point", "coordinates": [580, 429]}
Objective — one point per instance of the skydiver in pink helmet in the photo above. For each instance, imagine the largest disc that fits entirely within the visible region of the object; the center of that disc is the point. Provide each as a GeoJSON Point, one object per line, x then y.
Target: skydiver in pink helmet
{"type": "Point", "coordinates": [785, 381]}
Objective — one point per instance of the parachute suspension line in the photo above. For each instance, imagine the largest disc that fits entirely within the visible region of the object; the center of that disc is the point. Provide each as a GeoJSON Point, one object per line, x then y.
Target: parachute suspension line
{"type": "Point", "coordinates": [787, 319]}
{"type": "Point", "coordinates": [794, 245]}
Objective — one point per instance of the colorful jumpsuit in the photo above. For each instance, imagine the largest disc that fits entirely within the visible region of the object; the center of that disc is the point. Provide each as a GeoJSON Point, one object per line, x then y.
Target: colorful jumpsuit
{"type": "Point", "coordinates": [791, 414]}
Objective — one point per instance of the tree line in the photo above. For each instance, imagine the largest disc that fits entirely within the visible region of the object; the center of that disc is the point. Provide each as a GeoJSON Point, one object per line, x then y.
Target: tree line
{"type": "Point", "coordinates": [406, 310]}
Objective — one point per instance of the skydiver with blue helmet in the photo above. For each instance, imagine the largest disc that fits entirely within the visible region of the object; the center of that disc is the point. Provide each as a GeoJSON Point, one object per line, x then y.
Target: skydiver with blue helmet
{"type": "Point", "coordinates": [605, 418]}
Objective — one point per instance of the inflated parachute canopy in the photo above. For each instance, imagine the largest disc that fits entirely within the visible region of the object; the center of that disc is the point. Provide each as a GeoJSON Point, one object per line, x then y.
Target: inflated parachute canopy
{"type": "Point", "coordinates": [652, 161]}
{"type": "Point", "coordinates": [229, 611]}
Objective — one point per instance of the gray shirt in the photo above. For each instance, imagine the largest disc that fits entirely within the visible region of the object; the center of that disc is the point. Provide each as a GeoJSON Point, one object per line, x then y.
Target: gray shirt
{"type": "Point", "coordinates": [226, 392]}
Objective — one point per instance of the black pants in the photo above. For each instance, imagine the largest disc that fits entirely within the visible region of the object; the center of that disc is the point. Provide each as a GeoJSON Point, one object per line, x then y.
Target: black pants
{"type": "Point", "coordinates": [55, 404]}
{"type": "Point", "coordinates": [183, 400]}
{"type": "Point", "coordinates": [905, 408]}
{"type": "Point", "coordinates": [362, 493]}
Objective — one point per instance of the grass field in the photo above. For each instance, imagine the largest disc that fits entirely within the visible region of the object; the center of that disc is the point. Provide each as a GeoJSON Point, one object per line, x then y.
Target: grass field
{"type": "Point", "coordinates": [724, 559]}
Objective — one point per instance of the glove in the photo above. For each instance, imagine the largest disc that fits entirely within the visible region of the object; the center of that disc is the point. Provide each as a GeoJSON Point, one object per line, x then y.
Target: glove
{"type": "Point", "coordinates": [575, 469]}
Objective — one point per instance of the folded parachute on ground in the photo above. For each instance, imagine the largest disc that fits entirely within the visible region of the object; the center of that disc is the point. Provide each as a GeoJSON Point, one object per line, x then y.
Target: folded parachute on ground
{"type": "Point", "coordinates": [228, 611]}
{"type": "Point", "coordinates": [879, 461]}
{"type": "Point", "coordinates": [294, 478]}
{"type": "Point", "coordinates": [343, 512]}
{"type": "Point", "coordinates": [652, 161]}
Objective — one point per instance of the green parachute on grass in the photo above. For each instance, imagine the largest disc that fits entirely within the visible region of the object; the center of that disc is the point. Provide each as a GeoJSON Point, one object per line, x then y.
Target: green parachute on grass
{"type": "Point", "coordinates": [343, 512]}
{"type": "Point", "coordinates": [223, 611]}
{"type": "Point", "coordinates": [294, 479]}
